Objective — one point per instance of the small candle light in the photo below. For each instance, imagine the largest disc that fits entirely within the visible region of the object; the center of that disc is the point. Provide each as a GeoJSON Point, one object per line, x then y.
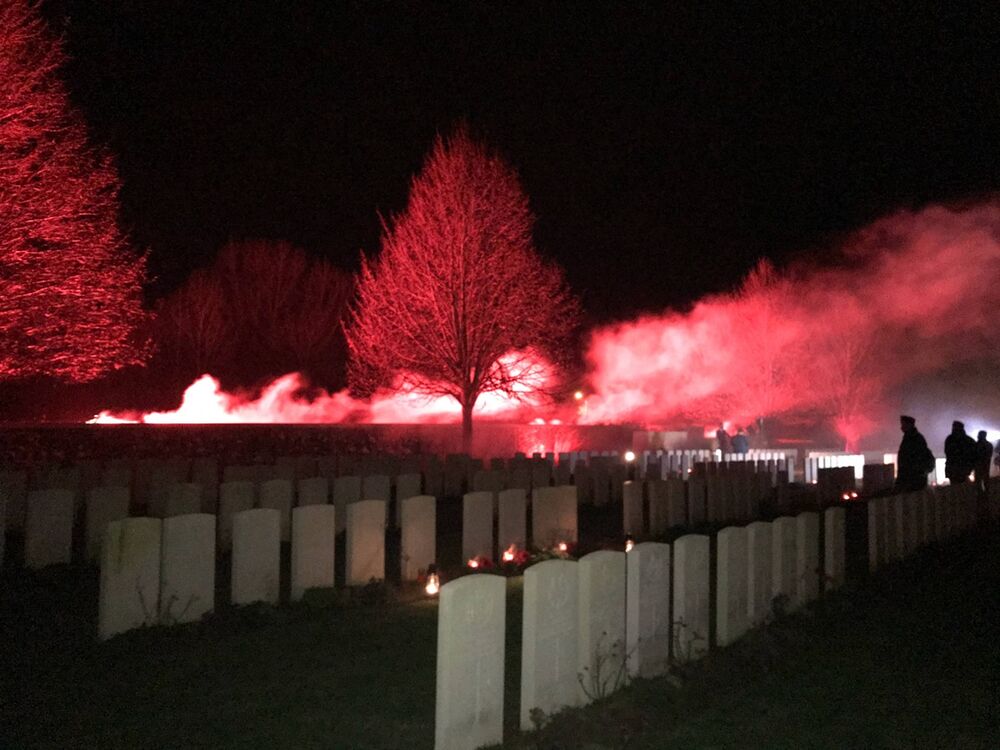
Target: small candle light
{"type": "Point", "coordinates": [433, 581]}
{"type": "Point", "coordinates": [473, 563]}
{"type": "Point", "coordinates": [629, 456]}
{"type": "Point", "coordinates": [629, 543]}
{"type": "Point", "coordinates": [562, 546]}
{"type": "Point", "coordinates": [508, 554]}
{"type": "Point", "coordinates": [578, 395]}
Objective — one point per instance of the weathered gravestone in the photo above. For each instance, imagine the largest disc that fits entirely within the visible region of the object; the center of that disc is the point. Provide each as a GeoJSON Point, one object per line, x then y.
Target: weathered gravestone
{"type": "Point", "coordinates": [648, 609]}
{"type": "Point", "coordinates": [234, 497]}
{"type": "Point", "coordinates": [130, 576]}
{"type": "Point", "coordinates": [48, 529]}
{"type": "Point", "coordinates": [313, 491]}
{"type": "Point", "coordinates": [731, 594]}
{"type": "Point", "coordinates": [783, 559]}
{"type": "Point", "coordinates": [807, 570]}
{"type": "Point", "coordinates": [187, 565]}
{"type": "Point", "coordinates": [365, 542]}
{"type": "Point", "coordinates": [314, 541]}
{"type": "Point", "coordinates": [554, 516]}
{"type": "Point", "coordinates": [408, 485]}
{"type": "Point", "coordinates": [549, 639]}
{"type": "Point", "coordinates": [601, 647]}
{"type": "Point", "coordinates": [376, 487]}
{"type": "Point", "coordinates": [677, 514]}
{"type": "Point", "coordinates": [346, 491]}
{"type": "Point", "coordinates": [418, 545]}
{"type": "Point", "coordinates": [632, 515]}
{"type": "Point", "coordinates": [477, 525]}
{"type": "Point", "coordinates": [277, 495]}
{"type": "Point", "coordinates": [513, 519]}
{"type": "Point", "coordinates": [715, 510]}
{"type": "Point", "coordinates": [834, 546]}
{"type": "Point", "coordinates": [759, 564]}
{"type": "Point", "coordinates": [691, 597]}
{"type": "Point", "coordinates": [183, 498]}
{"type": "Point", "coordinates": [659, 507]}
{"type": "Point", "coordinates": [256, 556]}
{"type": "Point", "coordinates": [470, 663]}
{"type": "Point", "coordinates": [103, 505]}
{"type": "Point", "coordinates": [696, 500]}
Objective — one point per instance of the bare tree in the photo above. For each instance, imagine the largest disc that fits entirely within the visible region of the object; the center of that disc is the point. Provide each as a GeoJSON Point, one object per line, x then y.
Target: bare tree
{"type": "Point", "coordinates": [458, 303]}
{"type": "Point", "coordinates": [193, 328]}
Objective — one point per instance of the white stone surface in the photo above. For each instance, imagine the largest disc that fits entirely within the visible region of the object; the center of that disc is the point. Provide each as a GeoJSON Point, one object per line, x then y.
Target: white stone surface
{"type": "Point", "coordinates": [648, 609]}
{"type": "Point", "coordinates": [130, 576]}
{"type": "Point", "coordinates": [691, 597]}
{"type": "Point", "coordinates": [346, 490]}
{"type": "Point", "coordinates": [549, 638]}
{"type": "Point", "coordinates": [731, 616]}
{"type": "Point", "coordinates": [470, 663]}
{"type": "Point", "coordinates": [313, 491]}
{"type": "Point", "coordinates": [477, 525]}
{"type": "Point", "coordinates": [407, 485]}
{"type": "Point", "coordinates": [365, 542]}
{"type": "Point", "coordinates": [278, 494]}
{"type": "Point", "coordinates": [187, 565]}
{"type": "Point", "coordinates": [601, 646]}
{"type": "Point", "coordinates": [234, 497]}
{"type": "Point", "coordinates": [103, 505]}
{"type": "Point", "coordinates": [512, 525]}
{"type": "Point", "coordinates": [554, 516]}
{"type": "Point", "coordinates": [783, 559]}
{"type": "Point", "coordinates": [759, 566]}
{"type": "Point", "coordinates": [834, 547]}
{"type": "Point", "coordinates": [807, 569]}
{"type": "Point", "coordinates": [256, 556]}
{"type": "Point", "coordinates": [632, 515]}
{"type": "Point", "coordinates": [183, 499]}
{"type": "Point", "coordinates": [48, 528]}
{"type": "Point", "coordinates": [314, 542]}
{"type": "Point", "coordinates": [418, 543]}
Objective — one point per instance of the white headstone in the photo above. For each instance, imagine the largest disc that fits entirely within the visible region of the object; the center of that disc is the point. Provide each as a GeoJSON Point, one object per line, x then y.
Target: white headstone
{"type": "Point", "coordinates": [759, 565]}
{"type": "Point", "coordinates": [601, 646]}
{"type": "Point", "coordinates": [513, 519]}
{"type": "Point", "coordinates": [783, 557]}
{"type": "Point", "coordinates": [715, 509]}
{"type": "Point", "coordinates": [407, 485]}
{"type": "Point", "coordinates": [234, 497]}
{"type": "Point", "coordinates": [554, 516]}
{"type": "Point", "coordinates": [691, 597]}
{"type": "Point", "coordinates": [549, 638]}
{"type": "Point", "coordinates": [477, 525]}
{"type": "Point", "coordinates": [696, 500]}
{"type": "Point", "coordinates": [632, 517]}
{"type": "Point", "coordinates": [183, 498]}
{"type": "Point", "coordinates": [365, 542]}
{"type": "Point", "coordinates": [659, 506]}
{"type": "Point", "coordinates": [314, 541]}
{"type": "Point", "coordinates": [470, 663]}
{"type": "Point", "coordinates": [313, 491]}
{"type": "Point", "coordinates": [648, 609]}
{"type": "Point", "coordinates": [676, 502]}
{"type": "Point", "coordinates": [376, 487]}
{"type": "Point", "coordinates": [418, 543]}
{"type": "Point", "coordinates": [731, 595]}
{"type": "Point", "coordinates": [130, 576]}
{"type": "Point", "coordinates": [256, 556]}
{"type": "Point", "coordinates": [346, 490]}
{"type": "Point", "coordinates": [834, 547]}
{"type": "Point", "coordinates": [277, 494]}
{"type": "Point", "coordinates": [807, 569]}
{"type": "Point", "coordinates": [104, 505]}
{"type": "Point", "coordinates": [187, 586]}
{"type": "Point", "coordinates": [48, 529]}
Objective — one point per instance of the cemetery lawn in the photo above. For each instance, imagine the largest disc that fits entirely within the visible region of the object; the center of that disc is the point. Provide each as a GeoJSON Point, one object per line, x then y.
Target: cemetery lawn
{"type": "Point", "coordinates": [910, 659]}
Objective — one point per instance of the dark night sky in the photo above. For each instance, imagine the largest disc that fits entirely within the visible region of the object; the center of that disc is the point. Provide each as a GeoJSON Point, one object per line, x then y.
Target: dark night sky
{"type": "Point", "coordinates": [663, 149]}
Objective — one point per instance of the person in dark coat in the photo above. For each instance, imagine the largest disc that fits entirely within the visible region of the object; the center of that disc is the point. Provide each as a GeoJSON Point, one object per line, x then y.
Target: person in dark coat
{"type": "Point", "coordinates": [914, 460]}
{"type": "Point", "coordinates": [984, 453]}
{"type": "Point", "coordinates": [741, 444]}
{"type": "Point", "coordinates": [959, 454]}
{"type": "Point", "coordinates": [725, 442]}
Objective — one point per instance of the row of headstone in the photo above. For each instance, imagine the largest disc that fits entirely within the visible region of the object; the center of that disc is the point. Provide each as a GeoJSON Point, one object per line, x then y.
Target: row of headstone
{"type": "Point", "coordinates": [817, 460]}
{"type": "Point", "coordinates": [679, 463]}
{"type": "Point", "coordinates": [834, 484]}
{"type": "Point", "coordinates": [554, 519]}
{"type": "Point", "coordinates": [877, 478]}
{"type": "Point", "coordinates": [655, 505]}
{"type": "Point", "coordinates": [590, 625]}
{"type": "Point", "coordinates": [899, 525]}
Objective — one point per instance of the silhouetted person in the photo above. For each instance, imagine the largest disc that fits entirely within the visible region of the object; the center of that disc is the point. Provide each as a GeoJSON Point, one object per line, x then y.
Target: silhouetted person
{"type": "Point", "coordinates": [725, 442]}
{"type": "Point", "coordinates": [740, 442]}
{"type": "Point", "coordinates": [914, 460]}
{"type": "Point", "coordinates": [959, 454]}
{"type": "Point", "coordinates": [984, 452]}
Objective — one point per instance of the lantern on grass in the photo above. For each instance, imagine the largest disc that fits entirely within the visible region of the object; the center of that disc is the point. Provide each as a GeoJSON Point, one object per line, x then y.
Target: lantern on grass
{"type": "Point", "coordinates": [433, 581]}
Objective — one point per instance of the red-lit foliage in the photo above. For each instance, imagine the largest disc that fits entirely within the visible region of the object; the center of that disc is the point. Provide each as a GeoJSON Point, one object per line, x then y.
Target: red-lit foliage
{"type": "Point", "coordinates": [260, 296]}
{"type": "Point", "coordinates": [458, 285]}
{"type": "Point", "coordinates": [70, 289]}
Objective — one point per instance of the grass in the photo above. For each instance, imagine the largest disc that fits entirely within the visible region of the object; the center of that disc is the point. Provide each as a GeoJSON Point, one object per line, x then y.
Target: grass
{"type": "Point", "coordinates": [909, 659]}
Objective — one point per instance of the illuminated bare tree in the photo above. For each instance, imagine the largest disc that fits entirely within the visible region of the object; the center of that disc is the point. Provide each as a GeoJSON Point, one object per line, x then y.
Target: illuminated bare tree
{"type": "Point", "coordinates": [457, 286]}
{"type": "Point", "coordinates": [70, 288]}
{"type": "Point", "coordinates": [193, 328]}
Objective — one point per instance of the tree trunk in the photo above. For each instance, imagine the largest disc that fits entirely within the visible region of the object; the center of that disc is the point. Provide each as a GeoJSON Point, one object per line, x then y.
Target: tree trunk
{"type": "Point", "coordinates": [467, 406]}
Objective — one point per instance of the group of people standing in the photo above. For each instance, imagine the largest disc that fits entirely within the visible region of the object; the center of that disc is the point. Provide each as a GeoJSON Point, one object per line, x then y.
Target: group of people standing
{"type": "Point", "coordinates": [738, 443]}
{"type": "Point", "coordinates": [965, 458]}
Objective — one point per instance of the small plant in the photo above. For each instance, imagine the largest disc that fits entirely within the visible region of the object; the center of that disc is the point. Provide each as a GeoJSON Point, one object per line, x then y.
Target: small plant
{"type": "Point", "coordinates": [608, 670]}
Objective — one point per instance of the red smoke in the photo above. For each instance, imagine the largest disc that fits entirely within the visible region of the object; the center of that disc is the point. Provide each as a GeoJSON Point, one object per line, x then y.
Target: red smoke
{"type": "Point", "coordinates": [914, 293]}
